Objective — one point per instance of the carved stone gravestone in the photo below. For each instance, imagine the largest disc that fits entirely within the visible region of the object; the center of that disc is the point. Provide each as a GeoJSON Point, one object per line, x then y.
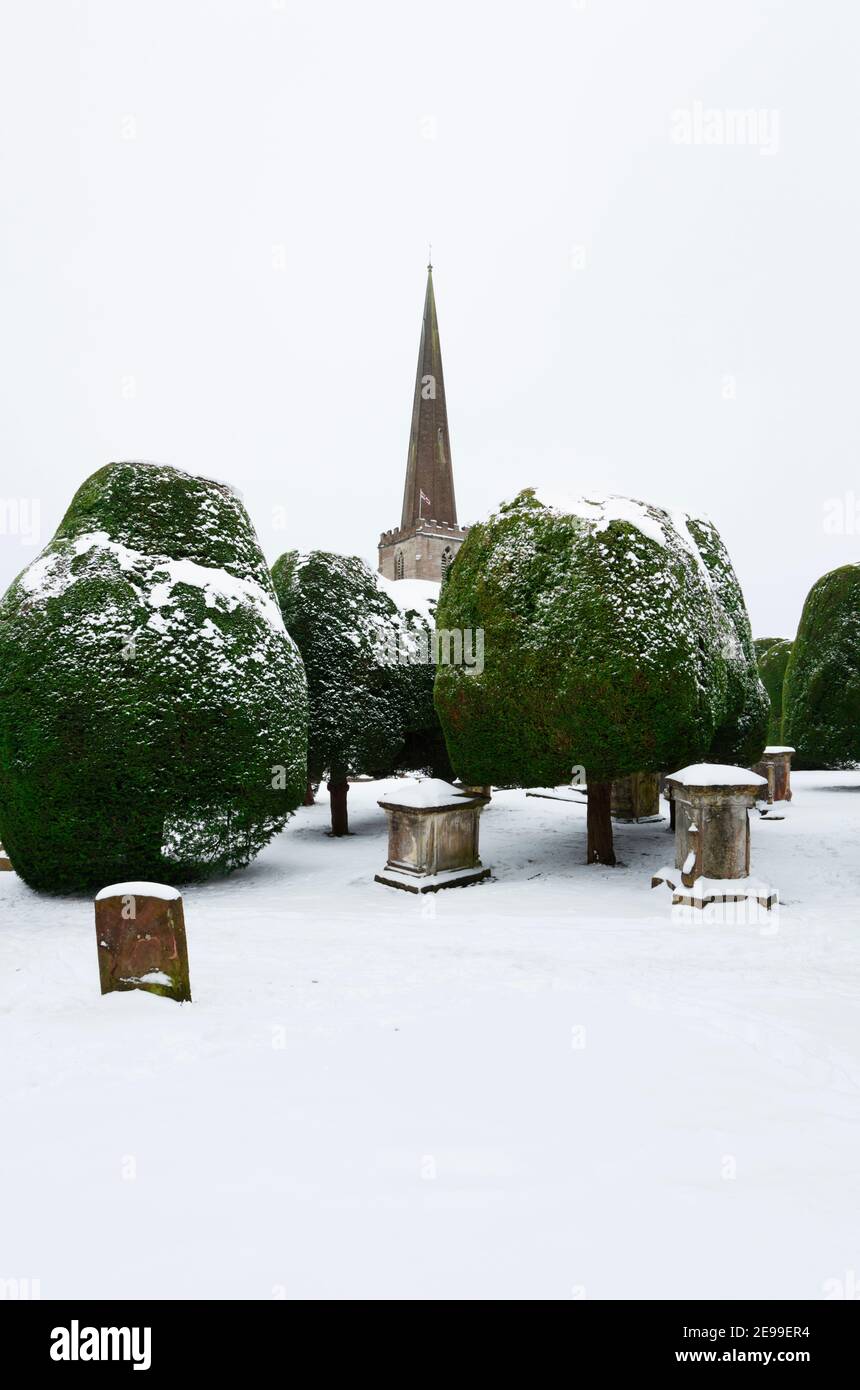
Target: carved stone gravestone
{"type": "Point", "coordinates": [775, 767]}
{"type": "Point", "coordinates": [712, 837]}
{"type": "Point", "coordinates": [140, 932]}
{"type": "Point", "coordinates": [637, 797]}
{"type": "Point", "coordinates": [432, 836]}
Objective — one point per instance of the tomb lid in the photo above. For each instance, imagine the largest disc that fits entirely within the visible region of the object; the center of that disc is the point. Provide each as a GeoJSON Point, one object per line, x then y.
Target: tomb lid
{"type": "Point", "coordinates": [779, 748]}
{"type": "Point", "coordinates": [716, 775]}
{"type": "Point", "coordinates": [138, 889]}
{"type": "Point", "coordinates": [429, 794]}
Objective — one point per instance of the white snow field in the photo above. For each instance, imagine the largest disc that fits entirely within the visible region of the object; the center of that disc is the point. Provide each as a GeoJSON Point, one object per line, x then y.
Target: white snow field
{"type": "Point", "coordinates": [537, 1087]}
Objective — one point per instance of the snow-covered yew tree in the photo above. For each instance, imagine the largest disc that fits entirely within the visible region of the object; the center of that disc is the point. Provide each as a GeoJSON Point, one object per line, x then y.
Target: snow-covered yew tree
{"type": "Point", "coordinates": [153, 709]}
{"type": "Point", "coordinates": [772, 655]}
{"type": "Point", "coordinates": [821, 694]}
{"type": "Point", "coordinates": [742, 732]}
{"type": "Point", "coordinates": [365, 693]}
{"type": "Point", "coordinates": [607, 644]}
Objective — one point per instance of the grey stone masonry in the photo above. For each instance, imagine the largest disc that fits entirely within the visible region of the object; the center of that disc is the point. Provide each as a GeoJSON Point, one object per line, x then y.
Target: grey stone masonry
{"type": "Point", "coordinates": [432, 836]}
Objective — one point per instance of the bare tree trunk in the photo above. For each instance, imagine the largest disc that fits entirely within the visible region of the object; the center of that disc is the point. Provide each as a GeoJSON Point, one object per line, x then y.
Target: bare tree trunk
{"type": "Point", "coordinates": [672, 815]}
{"type": "Point", "coordinates": [309, 794]}
{"type": "Point", "coordinates": [337, 790]}
{"type": "Point", "coordinates": [599, 820]}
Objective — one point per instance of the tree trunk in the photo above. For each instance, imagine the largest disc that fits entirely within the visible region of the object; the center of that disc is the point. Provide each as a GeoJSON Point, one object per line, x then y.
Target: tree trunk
{"type": "Point", "coordinates": [309, 794]}
{"type": "Point", "coordinates": [672, 815]}
{"type": "Point", "coordinates": [599, 821]}
{"type": "Point", "coordinates": [337, 791]}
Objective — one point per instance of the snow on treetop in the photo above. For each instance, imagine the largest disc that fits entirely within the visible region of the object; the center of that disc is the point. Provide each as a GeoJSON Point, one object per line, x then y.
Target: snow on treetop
{"type": "Point", "coordinates": [659, 525]}
{"type": "Point", "coordinates": [52, 573]}
{"type": "Point", "coordinates": [716, 775]}
{"type": "Point", "coordinates": [429, 792]}
{"type": "Point", "coordinates": [139, 889]}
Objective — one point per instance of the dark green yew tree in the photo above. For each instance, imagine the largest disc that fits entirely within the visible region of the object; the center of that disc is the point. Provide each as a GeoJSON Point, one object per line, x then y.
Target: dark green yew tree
{"type": "Point", "coordinates": [153, 708]}
{"type": "Point", "coordinates": [607, 644]}
{"type": "Point", "coordinates": [821, 694]}
{"type": "Point", "coordinates": [367, 700]}
{"type": "Point", "coordinates": [772, 654]}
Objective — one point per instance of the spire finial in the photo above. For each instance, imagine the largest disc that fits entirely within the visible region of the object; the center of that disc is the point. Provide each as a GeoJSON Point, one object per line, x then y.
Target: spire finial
{"type": "Point", "coordinates": [429, 255]}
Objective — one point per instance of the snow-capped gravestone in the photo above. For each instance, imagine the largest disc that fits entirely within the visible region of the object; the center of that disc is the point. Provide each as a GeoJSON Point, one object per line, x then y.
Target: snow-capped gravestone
{"type": "Point", "coordinates": [140, 933]}
{"type": "Point", "coordinates": [5, 862]}
{"type": "Point", "coordinates": [432, 836]}
{"type": "Point", "coordinates": [153, 708]}
{"type": "Point", "coordinates": [712, 837]}
{"type": "Point", "coordinates": [775, 767]}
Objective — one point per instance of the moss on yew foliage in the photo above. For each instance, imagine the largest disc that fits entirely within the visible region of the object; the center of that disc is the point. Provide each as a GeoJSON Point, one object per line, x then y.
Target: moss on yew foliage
{"type": "Point", "coordinates": [153, 708]}
{"type": "Point", "coordinates": [608, 643]}
{"type": "Point", "coordinates": [821, 691]}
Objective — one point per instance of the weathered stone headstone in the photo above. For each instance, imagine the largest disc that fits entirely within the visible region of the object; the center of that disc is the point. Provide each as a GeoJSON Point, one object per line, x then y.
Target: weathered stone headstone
{"type": "Point", "coordinates": [637, 797]}
{"type": "Point", "coordinates": [432, 837]}
{"type": "Point", "coordinates": [140, 931]}
{"type": "Point", "coordinates": [775, 767]}
{"type": "Point", "coordinates": [712, 836]}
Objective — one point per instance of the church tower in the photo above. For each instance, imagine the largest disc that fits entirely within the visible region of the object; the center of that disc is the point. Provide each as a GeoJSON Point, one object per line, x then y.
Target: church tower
{"type": "Point", "coordinates": [428, 537]}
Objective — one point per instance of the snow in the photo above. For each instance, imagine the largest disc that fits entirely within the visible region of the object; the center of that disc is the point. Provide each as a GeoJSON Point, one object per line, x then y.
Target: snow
{"type": "Point", "coordinates": [779, 748]}
{"type": "Point", "coordinates": [426, 792]}
{"type": "Point", "coordinates": [539, 1086]}
{"type": "Point", "coordinates": [651, 521]}
{"type": "Point", "coordinates": [138, 889]}
{"type": "Point", "coordinates": [152, 977]}
{"type": "Point", "coordinates": [49, 575]}
{"type": "Point", "coordinates": [413, 595]}
{"type": "Point", "coordinates": [716, 775]}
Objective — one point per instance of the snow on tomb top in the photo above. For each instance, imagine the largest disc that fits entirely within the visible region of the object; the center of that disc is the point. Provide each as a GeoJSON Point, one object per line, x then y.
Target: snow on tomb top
{"type": "Point", "coordinates": [716, 775]}
{"type": "Point", "coordinates": [430, 794]}
{"type": "Point", "coordinates": [138, 889]}
{"type": "Point", "coordinates": [779, 748]}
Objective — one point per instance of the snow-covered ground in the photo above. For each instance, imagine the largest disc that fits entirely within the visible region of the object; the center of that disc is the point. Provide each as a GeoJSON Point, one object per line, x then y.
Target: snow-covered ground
{"type": "Point", "coordinates": [539, 1086]}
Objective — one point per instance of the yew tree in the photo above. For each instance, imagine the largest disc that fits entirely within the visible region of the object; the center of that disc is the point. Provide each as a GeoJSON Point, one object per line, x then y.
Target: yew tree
{"type": "Point", "coordinates": [607, 645]}
{"type": "Point", "coordinates": [364, 698]}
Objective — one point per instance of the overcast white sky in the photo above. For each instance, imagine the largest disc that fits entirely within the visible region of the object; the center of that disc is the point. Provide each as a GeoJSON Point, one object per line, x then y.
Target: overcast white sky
{"type": "Point", "coordinates": [215, 216]}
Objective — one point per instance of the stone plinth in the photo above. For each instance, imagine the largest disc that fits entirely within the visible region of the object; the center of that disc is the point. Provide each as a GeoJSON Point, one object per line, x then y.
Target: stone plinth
{"type": "Point", "coordinates": [140, 931]}
{"type": "Point", "coordinates": [432, 837]}
{"type": "Point", "coordinates": [637, 797]}
{"type": "Point", "coordinates": [5, 862]}
{"type": "Point", "coordinates": [775, 768]}
{"type": "Point", "coordinates": [712, 836]}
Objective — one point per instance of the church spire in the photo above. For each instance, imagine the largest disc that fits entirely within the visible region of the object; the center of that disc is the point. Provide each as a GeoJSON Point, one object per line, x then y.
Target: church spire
{"type": "Point", "coordinates": [429, 491]}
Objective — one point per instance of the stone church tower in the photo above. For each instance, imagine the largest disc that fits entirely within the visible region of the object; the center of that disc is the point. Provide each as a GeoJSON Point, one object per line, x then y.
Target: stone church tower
{"type": "Point", "coordinates": [428, 537]}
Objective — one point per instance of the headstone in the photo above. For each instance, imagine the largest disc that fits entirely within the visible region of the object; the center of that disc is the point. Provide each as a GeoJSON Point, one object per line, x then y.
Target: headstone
{"type": "Point", "coordinates": [712, 836]}
{"type": "Point", "coordinates": [637, 797]}
{"type": "Point", "coordinates": [5, 862]}
{"type": "Point", "coordinates": [140, 931]}
{"type": "Point", "coordinates": [775, 767]}
{"type": "Point", "coordinates": [432, 836]}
